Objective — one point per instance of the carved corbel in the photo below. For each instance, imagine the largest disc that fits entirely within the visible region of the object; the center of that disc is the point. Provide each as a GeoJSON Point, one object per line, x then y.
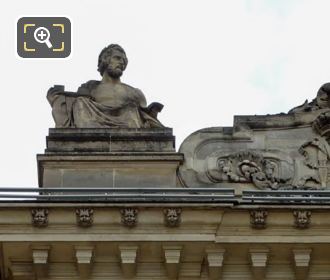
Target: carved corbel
{"type": "Point", "coordinates": [302, 218]}
{"type": "Point", "coordinates": [215, 261]}
{"type": "Point", "coordinates": [259, 259]}
{"type": "Point", "coordinates": [84, 217]}
{"type": "Point", "coordinates": [258, 218]}
{"type": "Point", "coordinates": [172, 217]}
{"type": "Point", "coordinates": [39, 217]}
{"type": "Point", "coordinates": [128, 260]}
{"type": "Point", "coordinates": [172, 260]}
{"type": "Point", "coordinates": [84, 256]}
{"type": "Point", "coordinates": [129, 216]}
{"type": "Point", "coordinates": [301, 261]}
{"type": "Point", "coordinates": [40, 260]}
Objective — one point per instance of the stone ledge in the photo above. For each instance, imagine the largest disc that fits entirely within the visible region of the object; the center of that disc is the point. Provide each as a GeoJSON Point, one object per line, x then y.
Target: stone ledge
{"type": "Point", "coordinates": [65, 140]}
{"type": "Point", "coordinates": [114, 156]}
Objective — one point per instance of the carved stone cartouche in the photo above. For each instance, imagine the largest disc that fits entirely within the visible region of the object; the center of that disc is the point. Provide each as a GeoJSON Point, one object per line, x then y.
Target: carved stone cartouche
{"type": "Point", "coordinates": [316, 154]}
{"type": "Point", "coordinates": [248, 167]}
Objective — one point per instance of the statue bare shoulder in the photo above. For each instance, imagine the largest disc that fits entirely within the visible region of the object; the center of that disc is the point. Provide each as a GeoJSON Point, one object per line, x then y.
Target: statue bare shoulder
{"type": "Point", "coordinates": [153, 109]}
{"type": "Point", "coordinates": [137, 93]}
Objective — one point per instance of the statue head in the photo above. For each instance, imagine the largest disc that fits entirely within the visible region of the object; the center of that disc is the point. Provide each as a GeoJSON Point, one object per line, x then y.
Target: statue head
{"type": "Point", "coordinates": [112, 60]}
{"type": "Point", "coordinates": [322, 98]}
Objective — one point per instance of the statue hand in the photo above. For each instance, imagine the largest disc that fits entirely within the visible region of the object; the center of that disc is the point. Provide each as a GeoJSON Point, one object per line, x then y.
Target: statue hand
{"type": "Point", "coordinates": [55, 90]}
{"type": "Point", "coordinates": [154, 108]}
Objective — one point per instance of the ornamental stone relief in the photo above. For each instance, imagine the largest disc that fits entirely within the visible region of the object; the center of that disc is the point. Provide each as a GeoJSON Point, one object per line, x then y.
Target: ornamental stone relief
{"type": "Point", "coordinates": [285, 151]}
{"type": "Point", "coordinates": [39, 217]}
{"type": "Point", "coordinates": [85, 217]}
{"type": "Point", "coordinates": [172, 217]}
{"type": "Point", "coordinates": [258, 218]}
{"type": "Point", "coordinates": [248, 167]}
{"type": "Point", "coordinates": [129, 216]}
{"type": "Point", "coordinates": [302, 218]}
{"type": "Point", "coordinates": [316, 155]}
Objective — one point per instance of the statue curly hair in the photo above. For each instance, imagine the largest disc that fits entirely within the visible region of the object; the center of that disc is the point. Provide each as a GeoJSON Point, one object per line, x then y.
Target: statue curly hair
{"type": "Point", "coordinates": [105, 53]}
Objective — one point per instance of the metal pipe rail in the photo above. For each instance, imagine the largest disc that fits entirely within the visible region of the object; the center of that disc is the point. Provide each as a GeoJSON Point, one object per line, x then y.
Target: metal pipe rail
{"type": "Point", "coordinates": [118, 194]}
{"type": "Point", "coordinates": [287, 196]}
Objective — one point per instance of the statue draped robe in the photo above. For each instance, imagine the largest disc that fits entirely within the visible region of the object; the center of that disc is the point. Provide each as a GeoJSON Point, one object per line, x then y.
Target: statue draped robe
{"type": "Point", "coordinates": [80, 109]}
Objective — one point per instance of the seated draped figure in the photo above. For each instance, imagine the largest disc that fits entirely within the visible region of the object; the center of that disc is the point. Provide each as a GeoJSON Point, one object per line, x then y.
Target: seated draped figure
{"type": "Point", "coordinates": [105, 103]}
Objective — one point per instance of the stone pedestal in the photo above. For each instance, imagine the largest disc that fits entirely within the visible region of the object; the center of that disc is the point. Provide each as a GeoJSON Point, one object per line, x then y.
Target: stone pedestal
{"type": "Point", "coordinates": [109, 158]}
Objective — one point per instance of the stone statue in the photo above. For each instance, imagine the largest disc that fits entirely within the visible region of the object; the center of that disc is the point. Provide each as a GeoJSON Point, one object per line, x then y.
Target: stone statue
{"type": "Point", "coordinates": [322, 101]}
{"type": "Point", "coordinates": [105, 103]}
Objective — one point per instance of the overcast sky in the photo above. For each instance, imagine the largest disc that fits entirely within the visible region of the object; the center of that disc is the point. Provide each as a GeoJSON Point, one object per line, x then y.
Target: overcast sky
{"type": "Point", "coordinates": [206, 61]}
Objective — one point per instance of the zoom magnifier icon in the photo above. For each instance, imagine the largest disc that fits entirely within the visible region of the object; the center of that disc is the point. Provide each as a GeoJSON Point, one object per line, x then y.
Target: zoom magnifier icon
{"type": "Point", "coordinates": [42, 35]}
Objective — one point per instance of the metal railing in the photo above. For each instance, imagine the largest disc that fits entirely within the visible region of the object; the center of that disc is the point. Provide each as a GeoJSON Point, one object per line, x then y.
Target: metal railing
{"type": "Point", "coordinates": [287, 196]}
{"type": "Point", "coordinates": [118, 194]}
{"type": "Point", "coordinates": [209, 195]}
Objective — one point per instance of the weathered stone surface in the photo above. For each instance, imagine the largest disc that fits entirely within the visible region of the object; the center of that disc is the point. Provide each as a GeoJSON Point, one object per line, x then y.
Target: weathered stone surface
{"type": "Point", "coordinates": [283, 151]}
{"type": "Point", "coordinates": [212, 242]}
{"type": "Point", "coordinates": [109, 170]}
{"type": "Point", "coordinates": [118, 157]}
{"type": "Point", "coordinates": [63, 140]}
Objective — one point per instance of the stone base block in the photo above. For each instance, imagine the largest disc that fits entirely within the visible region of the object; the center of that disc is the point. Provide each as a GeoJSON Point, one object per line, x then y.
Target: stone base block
{"type": "Point", "coordinates": [87, 140]}
{"type": "Point", "coordinates": [109, 170]}
{"type": "Point", "coordinates": [109, 158]}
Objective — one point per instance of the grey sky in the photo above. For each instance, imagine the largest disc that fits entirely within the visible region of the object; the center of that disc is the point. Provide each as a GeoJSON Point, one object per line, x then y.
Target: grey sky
{"type": "Point", "coordinates": [204, 60]}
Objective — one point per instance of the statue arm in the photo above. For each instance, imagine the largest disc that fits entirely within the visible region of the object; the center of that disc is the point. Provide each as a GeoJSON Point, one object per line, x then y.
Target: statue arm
{"type": "Point", "coordinates": [61, 106]}
{"type": "Point", "coordinates": [83, 91]}
{"type": "Point", "coordinates": [153, 109]}
{"type": "Point", "coordinates": [141, 98]}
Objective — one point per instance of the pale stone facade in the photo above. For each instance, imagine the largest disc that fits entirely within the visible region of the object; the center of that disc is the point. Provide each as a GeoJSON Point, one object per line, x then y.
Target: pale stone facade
{"type": "Point", "coordinates": [212, 241]}
{"type": "Point", "coordinates": [117, 201]}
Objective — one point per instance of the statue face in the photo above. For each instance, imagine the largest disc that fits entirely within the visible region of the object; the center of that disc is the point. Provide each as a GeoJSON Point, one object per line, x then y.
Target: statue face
{"type": "Point", "coordinates": [129, 217]}
{"type": "Point", "coordinates": [40, 217]}
{"type": "Point", "coordinates": [85, 216]}
{"type": "Point", "coordinates": [322, 99]}
{"type": "Point", "coordinates": [116, 64]}
{"type": "Point", "coordinates": [302, 218]}
{"type": "Point", "coordinates": [172, 217]}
